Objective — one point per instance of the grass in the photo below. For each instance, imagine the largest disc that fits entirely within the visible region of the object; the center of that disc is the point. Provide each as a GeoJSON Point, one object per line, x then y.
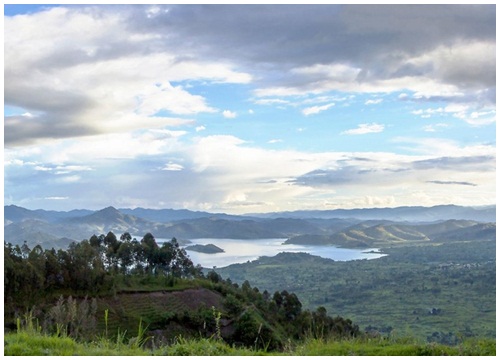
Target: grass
{"type": "Point", "coordinates": [29, 344]}
{"type": "Point", "coordinates": [29, 340]}
{"type": "Point", "coordinates": [24, 343]}
{"type": "Point", "coordinates": [391, 347]}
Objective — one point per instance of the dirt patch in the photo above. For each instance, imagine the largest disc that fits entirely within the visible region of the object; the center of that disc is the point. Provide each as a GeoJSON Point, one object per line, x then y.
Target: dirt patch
{"type": "Point", "coordinates": [159, 310]}
{"type": "Point", "coordinates": [190, 299]}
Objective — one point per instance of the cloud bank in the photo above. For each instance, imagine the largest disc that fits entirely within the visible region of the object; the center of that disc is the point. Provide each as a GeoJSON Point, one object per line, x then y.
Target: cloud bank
{"type": "Point", "coordinates": [148, 105]}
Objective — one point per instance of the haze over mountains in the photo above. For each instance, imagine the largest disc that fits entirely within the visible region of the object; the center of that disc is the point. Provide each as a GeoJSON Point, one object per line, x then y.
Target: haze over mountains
{"type": "Point", "coordinates": [349, 228]}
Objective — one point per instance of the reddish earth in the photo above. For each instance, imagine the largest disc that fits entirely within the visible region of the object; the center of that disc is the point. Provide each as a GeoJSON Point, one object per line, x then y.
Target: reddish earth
{"type": "Point", "coordinates": [126, 310]}
{"type": "Point", "coordinates": [191, 299]}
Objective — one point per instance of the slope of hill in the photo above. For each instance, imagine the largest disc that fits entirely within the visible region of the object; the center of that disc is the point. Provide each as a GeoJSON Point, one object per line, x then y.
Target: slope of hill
{"type": "Point", "coordinates": [109, 219]}
{"type": "Point", "coordinates": [195, 312]}
{"type": "Point", "coordinates": [366, 235]}
{"type": "Point", "coordinates": [169, 215]}
{"type": "Point", "coordinates": [13, 213]}
{"type": "Point", "coordinates": [219, 228]}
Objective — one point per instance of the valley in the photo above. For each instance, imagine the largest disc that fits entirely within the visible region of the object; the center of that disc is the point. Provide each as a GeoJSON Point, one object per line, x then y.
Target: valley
{"type": "Point", "coordinates": [434, 281]}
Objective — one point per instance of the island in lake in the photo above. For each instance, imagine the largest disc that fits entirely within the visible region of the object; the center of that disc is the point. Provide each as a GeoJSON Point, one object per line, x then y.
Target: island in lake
{"type": "Point", "coordinates": [207, 249]}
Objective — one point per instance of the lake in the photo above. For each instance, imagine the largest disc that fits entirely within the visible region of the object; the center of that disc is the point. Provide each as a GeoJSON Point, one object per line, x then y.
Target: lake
{"type": "Point", "coordinates": [241, 251]}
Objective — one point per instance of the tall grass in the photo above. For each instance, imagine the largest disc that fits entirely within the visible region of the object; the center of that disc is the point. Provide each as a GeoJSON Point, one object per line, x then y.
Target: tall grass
{"type": "Point", "coordinates": [30, 340]}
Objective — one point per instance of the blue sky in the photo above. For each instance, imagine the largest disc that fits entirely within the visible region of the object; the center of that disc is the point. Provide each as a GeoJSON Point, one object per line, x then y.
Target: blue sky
{"type": "Point", "coordinates": [241, 108]}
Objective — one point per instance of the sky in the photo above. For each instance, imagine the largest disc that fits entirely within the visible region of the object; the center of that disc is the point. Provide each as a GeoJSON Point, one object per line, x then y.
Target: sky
{"type": "Point", "coordinates": [249, 108]}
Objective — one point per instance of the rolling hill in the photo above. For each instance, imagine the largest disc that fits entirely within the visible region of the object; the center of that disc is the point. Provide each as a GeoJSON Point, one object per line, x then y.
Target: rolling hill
{"type": "Point", "coordinates": [366, 235]}
{"type": "Point", "coordinates": [359, 228]}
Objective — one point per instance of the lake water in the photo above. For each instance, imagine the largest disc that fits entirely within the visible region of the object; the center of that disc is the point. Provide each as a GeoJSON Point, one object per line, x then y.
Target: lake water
{"type": "Point", "coordinates": [241, 251]}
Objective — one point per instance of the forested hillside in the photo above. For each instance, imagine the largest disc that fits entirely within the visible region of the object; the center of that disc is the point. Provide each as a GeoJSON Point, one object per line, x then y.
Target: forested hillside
{"type": "Point", "coordinates": [111, 284]}
{"type": "Point", "coordinates": [437, 292]}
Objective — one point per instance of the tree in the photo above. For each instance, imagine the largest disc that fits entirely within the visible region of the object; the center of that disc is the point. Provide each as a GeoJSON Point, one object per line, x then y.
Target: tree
{"type": "Point", "coordinates": [95, 241]}
{"type": "Point", "coordinates": [126, 256]}
{"type": "Point", "coordinates": [149, 249]}
{"type": "Point", "coordinates": [112, 244]}
{"type": "Point", "coordinates": [125, 237]}
{"type": "Point", "coordinates": [53, 274]}
{"type": "Point", "coordinates": [291, 305]}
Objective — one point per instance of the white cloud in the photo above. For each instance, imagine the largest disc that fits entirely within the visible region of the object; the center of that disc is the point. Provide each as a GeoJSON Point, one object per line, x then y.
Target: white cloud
{"type": "Point", "coordinates": [463, 112]}
{"type": "Point", "coordinates": [62, 169]}
{"type": "Point", "coordinates": [225, 173]}
{"type": "Point", "coordinates": [373, 101]}
{"type": "Point", "coordinates": [95, 84]}
{"type": "Point", "coordinates": [94, 149]}
{"type": "Point", "coordinates": [335, 72]}
{"type": "Point", "coordinates": [69, 179]}
{"type": "Point", "coordinates": [444, 71]}
{"type": "Point", "coordinates": [84, 100]}
{"type": "Point", "coordinates": [429, 112]}
{"type": "Point", "coordinates": [271, 102]}
{"type": "Point", "coordinates": [470, 63]}
{"type": "Point", "coordinates": [154, 99]}
{"type": "Point", "coordinates": [474, 118]}
{"type": "Point", "coordinates": [364, 129]}
{"type": "Point", "coordinates": [229, 114]}
{"type": "Point", "coordinates": [173, 167]}
{"type": "Point", "coordinates": [316, 109]}
{"type": "Point", "coordinates": [434, 127]}
{"type": "Point", "coordinates": [42, 168]}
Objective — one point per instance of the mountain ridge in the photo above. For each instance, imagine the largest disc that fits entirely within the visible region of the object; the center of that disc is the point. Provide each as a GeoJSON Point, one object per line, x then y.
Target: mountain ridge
{"type": "Point", "coordinates": [357, 227]}
{"type": "Point", "coordinates": [400, 213]}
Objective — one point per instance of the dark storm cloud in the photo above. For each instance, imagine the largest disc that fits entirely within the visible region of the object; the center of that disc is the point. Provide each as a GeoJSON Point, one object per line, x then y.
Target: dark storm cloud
{"type": "Point", "coordinates": [52, 110]}
{"type": "Point", "coordinates": [307, 34]}
{"type": "Point", "coordinates": [376, 42]}
{"type": "Point", "coordinates": [20, 130]}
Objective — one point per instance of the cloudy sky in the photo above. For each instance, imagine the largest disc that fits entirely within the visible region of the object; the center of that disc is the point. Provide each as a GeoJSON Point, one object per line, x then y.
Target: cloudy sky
{"type": "Point", "coordinates": [249, 108]}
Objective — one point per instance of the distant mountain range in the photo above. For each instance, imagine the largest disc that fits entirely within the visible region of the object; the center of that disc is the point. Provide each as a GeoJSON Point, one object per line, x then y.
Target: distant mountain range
{"type": "Point", "coordinates": [355, 228]}
{"type": "Point", "coordinates": [403, 213]}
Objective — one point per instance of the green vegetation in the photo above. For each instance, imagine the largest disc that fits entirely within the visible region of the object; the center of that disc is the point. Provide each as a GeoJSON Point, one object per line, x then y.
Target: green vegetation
{"type": "Point", "coordinates": [155, 286]}
{"type": "Point", "coordinates": [90, 267]}
{"type": "Point", "coordinates": [441, 293]}
{"type": "Point", "coordinates": [110, 296]}
{"type": "Point", "coordinates": [28, 340]}
{"type": "Point", "coordinates": [207, 249]}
